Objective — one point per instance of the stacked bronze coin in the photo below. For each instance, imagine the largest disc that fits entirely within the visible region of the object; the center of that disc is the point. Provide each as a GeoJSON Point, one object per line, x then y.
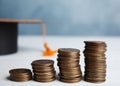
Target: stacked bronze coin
{"type": "Point", "coordinates": [20, 74]}
{"type": "Point", "coordinates": [95, 61]}
{"type": "Point", "coordinates": [68, 62]}
{"type": "Point", "coordinates": [43, 70]}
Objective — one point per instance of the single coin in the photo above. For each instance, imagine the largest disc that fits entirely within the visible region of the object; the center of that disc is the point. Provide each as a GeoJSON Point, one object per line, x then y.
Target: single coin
{"type": "Point", "coordinates": [74, 80]}
{"type": "Point", "coordinates": [20, 71]}
{"type": "Point", "coordinates": [94, 51]}
{"type": "Point", "coordinates": [94, 81]}
{"type": "Point", "coordinates": [43, 70]}
{"type": "Point", "coordinates": [71, 76]}
{"type": "Point", "coordinates": [96, 67]}
{"type": "Point", "coordinates": [44, 76]}
{"type": "Point", "coordinates": [97, 79]}
{"type": "Point", "coordinates": [69, 54]}
{"type": "Point", "coordinates": [95, 59]}
{"type": "Point", "coordinates": [44, 80]}
{"type": "Point", "coordinates": [94, 75]}
{"type": "Point", "coordinates": [96, 43]}
{"type": "Point", "coordinates": [68, 65]}
{"type": "Point", "coordinates": [94, 55]}
{"type": "Point", "coordinates": [68, 57]}
{"type": "Point", "coordinates": [70, 68]}
{"type": "Point", "coordinates": [21, 76]}
{"type": "Point", "coordinates": [43, 62]}
{"type": "Point", "coordinates": [95, 47]}
{"type": "Point", "coordinates": [39, 71]}
{"type": "Point", "coordinates": [71, 73]}
{"type": "Point", "coordinates": [42, 67]}
{"type": "Point", "coordinates": [68, 61]}
{"type": "Point", "coordinates": [20, 80]}
{"type": "Point", "coordinates": [95, 70]}
{"type": "Point", "coordinates": [91, 63]}
{"type": "Point", "coordinates": [68, 50]}
{"type": "Point", "coordinates": [45, 73]}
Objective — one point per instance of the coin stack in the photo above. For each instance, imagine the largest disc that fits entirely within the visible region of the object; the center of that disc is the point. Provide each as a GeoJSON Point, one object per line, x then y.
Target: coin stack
{"type": "Point", "coordinates": [68, 62]}
{"type": "Point", "coordinates": [43, 70]}
{"type": "Point", "coordinates": [20, 74]}
{"type": "Point", "coordinates": [95, 61]}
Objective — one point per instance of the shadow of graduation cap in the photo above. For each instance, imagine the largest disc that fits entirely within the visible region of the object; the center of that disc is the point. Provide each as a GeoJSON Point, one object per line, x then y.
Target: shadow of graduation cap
{"type": "Point", "coordinates": [9, 33]}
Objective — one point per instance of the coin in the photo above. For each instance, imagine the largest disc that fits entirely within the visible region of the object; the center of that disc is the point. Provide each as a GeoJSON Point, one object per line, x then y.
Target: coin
{"type": "Point", "coordinates": [70, 68]}
{"type": "Point", "coordinates": [68, 50]}
{"type": "Point", "coordinates": [95, 48]}
{"type": "Point", "coordinates": [74, 80]}
{"type": "Point", "coordinates": [45, 73]}
{"type": "Point", "coordinates": [95, 70]}
{"type": "Point", "coordinates": [44, 70]}
{"type": "Point", "coordinates": [102, 55]}
{"type": "Point", "coordinates": [42, 67]}
{"type": "Point", "coordinates": [73, 65]}
{"type": "Point", "coordinates": [94, 81]}
{"type": "Point", "coordinates": [44, 80]}
{"type": "Point", "coordinates": [43, 76]}
{"type": "Point", "coordinates": [68, 57]}
{"type": "Point", "coordinates": [96, 59]}
{"type": "Point", "coordinates": [94, 51]}
{"type": "Point", "coordinates": [95, 75]}
{"type": "Point", "coordinates": [43, 62]}
{"type": "Point", "coordinates": [69, 77]}
{"type": "Point", "coordinates": [95, 43]}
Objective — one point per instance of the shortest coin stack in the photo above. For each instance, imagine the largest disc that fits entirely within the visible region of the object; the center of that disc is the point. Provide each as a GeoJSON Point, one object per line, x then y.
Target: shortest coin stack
{"type": "Point", "coordinates": [43, 70]}
{"type": "Point", "coordinates": [68, 62]}
{"type": "Point", "coordinates": [95, 61]}
{"type": "Point", "coordinates": [20, 74]}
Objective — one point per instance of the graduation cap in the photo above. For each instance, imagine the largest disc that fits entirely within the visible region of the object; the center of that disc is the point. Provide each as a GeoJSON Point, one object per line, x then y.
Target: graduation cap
{"type": "Point", "coordinates": [9, 33]}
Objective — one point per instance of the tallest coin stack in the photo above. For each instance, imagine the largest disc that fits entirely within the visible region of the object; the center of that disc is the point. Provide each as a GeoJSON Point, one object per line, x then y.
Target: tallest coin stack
{"type": "Point", "coordinates": [95, 61]}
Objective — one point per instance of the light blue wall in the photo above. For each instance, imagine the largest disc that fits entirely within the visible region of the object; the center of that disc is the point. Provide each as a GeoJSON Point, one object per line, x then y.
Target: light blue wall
{"type": "Point", "coordinates": [66, 17]}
